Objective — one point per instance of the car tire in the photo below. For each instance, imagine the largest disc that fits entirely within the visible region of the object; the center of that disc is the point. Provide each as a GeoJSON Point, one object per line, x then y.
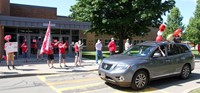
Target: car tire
{"type": "Point", "coordinates": [185, 72]}
{"type": "Point", "coordinates": [140, 80]}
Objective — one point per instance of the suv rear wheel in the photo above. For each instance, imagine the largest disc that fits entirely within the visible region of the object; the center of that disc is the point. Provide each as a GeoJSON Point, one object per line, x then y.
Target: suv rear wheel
{"type": "Point", "coordinates": [185, 72]}
{"type": "Point", "coordinates": [140, 80]}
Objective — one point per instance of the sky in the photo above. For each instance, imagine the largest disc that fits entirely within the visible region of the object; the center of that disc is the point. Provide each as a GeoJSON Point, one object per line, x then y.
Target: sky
{"type": "Point", "coordinates": [186, 7]}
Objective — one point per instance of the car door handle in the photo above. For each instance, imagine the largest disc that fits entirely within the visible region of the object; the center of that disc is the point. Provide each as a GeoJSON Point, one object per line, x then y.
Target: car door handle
{"type": "Point", "coordinates": [182, 58]}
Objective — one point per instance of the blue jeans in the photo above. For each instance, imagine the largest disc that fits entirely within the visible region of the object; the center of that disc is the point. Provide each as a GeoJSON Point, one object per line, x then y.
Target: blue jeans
{"type": "Point", "coordinates": [24, 54]}
{"type": "Point", "coordinates": [98, 53]}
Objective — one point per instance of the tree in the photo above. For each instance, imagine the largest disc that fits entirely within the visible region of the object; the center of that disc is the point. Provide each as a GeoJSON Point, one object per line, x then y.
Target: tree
{"type": "Point", "coordinates": [174, 21]}
{"type": "Point", "coordinates": [121, 18]}
{"type": "Point", "coordinates": [193, 28]}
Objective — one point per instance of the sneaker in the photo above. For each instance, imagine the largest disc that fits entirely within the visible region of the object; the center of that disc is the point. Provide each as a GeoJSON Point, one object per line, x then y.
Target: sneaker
{"type": "Point", "coordinates": [14, 67]}
{"type": "Point", "coordinates": [66, 66]}
{"type": "Point", "coordinates": [51, 67]}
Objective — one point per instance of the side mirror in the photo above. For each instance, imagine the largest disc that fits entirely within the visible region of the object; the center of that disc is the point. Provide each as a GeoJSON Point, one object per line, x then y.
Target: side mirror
{"type": "Point", "coordinates": [156, 55]}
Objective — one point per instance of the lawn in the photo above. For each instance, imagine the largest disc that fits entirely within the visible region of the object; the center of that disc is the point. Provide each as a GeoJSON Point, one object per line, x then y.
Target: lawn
{"type": "Point", "coordinates": [195, 91]}
{"type": "Point", "coordinates": [91, 54]}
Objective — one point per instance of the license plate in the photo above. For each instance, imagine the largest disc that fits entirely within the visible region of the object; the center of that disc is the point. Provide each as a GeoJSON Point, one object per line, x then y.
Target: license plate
{"type": "Point", "coordinates": [103, 75]}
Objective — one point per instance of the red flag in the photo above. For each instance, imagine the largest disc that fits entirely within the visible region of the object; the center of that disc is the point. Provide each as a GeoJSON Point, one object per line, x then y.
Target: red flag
{"type": "Point", "coordinates": [47, 41]}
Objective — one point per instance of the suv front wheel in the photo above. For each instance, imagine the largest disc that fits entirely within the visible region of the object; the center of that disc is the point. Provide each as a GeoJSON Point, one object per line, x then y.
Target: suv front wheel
{"type": "Point", "coordinates": [185, 72]}
{"type": "Point", "coordinates": [140, 80]}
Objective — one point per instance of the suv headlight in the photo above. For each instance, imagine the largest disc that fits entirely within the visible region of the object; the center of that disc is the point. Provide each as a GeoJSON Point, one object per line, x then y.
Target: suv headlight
{"type": "Point", "coordinates": [119, 68]}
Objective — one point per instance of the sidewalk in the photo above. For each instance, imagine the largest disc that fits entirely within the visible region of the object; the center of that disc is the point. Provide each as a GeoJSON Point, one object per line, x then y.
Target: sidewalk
{"type": "Point", "coordinates": [34, 67]}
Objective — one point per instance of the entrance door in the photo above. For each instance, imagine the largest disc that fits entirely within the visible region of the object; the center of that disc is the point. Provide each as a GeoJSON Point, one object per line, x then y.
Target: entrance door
{"type": "Point", "coordinates": [21, 39]}
{"type": "Point", "coordinates": [33, 46]}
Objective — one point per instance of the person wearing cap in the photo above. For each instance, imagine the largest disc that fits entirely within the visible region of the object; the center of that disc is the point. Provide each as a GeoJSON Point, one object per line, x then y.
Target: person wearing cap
{"type": "Point", "coordinates": [98, 47]}
{"type": "Point", "coordinates": [112, 46]}
{"type": "Point", "coordinates": [39, 45]}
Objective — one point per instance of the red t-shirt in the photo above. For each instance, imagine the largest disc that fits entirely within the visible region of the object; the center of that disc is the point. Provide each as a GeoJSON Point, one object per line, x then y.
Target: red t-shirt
{"type": "Point", "coordinates": [24, 47]}
{"type": "Point", "coordinates": [61, 48]}
{"type": "Point", "coordinates": [112, 46]}
{"type": "Point", "coordinates": [50, 52]}
{"type": "Point", "coordinates": [198, 47]}
{"type": "Point", "coordinates": [76, 48]}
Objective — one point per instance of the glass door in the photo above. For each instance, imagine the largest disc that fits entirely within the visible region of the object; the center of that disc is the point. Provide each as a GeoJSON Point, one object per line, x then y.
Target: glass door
{"type": "Point", "coordinates": [21, 39]}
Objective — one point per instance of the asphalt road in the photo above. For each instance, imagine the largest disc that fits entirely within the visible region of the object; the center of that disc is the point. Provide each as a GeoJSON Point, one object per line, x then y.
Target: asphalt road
{"type": "Point", "coordinates": [89, 82]}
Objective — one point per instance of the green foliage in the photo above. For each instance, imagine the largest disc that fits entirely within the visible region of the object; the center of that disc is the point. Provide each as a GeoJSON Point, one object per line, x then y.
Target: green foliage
{"type": "Point", "coordinates": [193, 28]}
{"type": "Point", "coordinates": [174, 21]}
{"type": "Point", "coordinates": [121, 18]}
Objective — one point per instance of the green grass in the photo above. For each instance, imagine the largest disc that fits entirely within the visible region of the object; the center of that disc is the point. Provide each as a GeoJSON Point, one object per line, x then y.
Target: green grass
{"type": "Point", "coordinates": [195, 91]}
{"type": "Point", "coordinates": [91, 54]}
{"type": "Point", "coordinates": [195, 52]}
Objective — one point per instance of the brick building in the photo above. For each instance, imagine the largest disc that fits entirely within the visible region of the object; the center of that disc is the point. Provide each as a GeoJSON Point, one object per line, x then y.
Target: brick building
{"type": "Point", "coordinates": [30, 22]}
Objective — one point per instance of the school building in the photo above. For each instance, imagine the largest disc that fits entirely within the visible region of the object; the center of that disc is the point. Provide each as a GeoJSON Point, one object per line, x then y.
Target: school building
{"type": "Point", "coordinates": [30, 22]}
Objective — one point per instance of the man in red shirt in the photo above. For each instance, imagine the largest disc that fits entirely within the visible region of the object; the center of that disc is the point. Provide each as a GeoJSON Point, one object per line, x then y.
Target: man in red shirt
{"type": "Point", "coordinates": [50, 55]}
{"type": "Point", "coordinates": [112, 46]}
{"type": "Point", "coordinates": [62, 53]}
{"type": "Point", "coordinates": [24, 47]}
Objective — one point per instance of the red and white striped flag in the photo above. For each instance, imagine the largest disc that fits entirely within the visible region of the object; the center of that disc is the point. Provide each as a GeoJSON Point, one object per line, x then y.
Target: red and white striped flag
{"type": "Point", "coordinates": [47, 41]}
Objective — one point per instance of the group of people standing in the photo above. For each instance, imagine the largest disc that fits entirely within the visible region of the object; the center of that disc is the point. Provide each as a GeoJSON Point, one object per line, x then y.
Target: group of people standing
{"type": "Point", "coordinates": [111, 46]}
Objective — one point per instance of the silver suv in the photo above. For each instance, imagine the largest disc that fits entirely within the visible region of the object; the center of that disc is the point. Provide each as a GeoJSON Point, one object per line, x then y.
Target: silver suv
{"type": "Point", "coordinates": [146, 61]}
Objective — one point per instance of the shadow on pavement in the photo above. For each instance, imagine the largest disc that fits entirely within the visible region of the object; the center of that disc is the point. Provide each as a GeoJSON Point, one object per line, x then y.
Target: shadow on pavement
{"type": "Point", "coordinates": [160, 83]}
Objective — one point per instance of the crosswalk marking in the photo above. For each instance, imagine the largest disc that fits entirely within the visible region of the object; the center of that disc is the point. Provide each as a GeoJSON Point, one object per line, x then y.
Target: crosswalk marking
{"type": "Point", "coordinates": [80, 87]}
{"type": "Point", "coordinates": [87, 87]}
{"type": "Point", "coordinates": [72, 81]}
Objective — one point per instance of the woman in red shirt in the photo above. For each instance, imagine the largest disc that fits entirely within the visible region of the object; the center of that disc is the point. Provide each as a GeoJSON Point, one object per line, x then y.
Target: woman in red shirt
{"type": "Point", "coordinates": [112, 46]}
{"type": "Point", "coordinates": [24, 47]}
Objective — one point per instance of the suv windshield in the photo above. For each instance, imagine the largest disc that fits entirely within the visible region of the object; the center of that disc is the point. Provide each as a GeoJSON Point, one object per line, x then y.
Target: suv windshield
{"type": "Point", "coordinates": [137, 50]}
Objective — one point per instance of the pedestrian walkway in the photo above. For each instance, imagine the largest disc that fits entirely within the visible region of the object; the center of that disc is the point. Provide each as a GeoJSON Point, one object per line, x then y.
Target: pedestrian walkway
{"type": "Point", "coordinates": [34, 67]}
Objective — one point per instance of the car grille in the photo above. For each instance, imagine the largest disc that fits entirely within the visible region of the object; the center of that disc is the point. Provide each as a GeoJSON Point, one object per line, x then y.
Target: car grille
{"type": "Point", "coordinates": [106, 66]}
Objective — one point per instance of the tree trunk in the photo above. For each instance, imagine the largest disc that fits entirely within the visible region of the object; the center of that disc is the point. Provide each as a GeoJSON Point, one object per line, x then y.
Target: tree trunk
{"type": "Point", "coordinates": [121, 45]}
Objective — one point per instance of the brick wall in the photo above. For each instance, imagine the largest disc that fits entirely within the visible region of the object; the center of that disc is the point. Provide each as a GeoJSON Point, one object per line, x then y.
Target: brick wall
{"type": "Point", "coordinates": [4, 7]}
{"type": "Point", "coordinates": [33, 11]}
{"type": "Point", "coordinates": [1, 41]}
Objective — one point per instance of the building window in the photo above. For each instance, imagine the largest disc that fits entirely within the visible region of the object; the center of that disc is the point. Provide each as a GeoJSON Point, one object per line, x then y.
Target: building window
{"type": "Point", "coordinates": [75, 32]}
{"type": "Point", "coordinates": [65, 32]}
{"type": "Point", "coordinates": [106, 42]}
{"type": "Point", "coordinates": [84, 42]}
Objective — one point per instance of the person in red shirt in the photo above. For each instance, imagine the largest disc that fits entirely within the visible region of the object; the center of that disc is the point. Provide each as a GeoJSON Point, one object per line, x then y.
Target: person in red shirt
{"type": "Point", "coordinates": [76, 50]}
{"type": "Point", "coordinates": [24, 47]}
{"type": "Point", "coordinates": [62, 53]}
{"type": "Point", "coordinates": [112, 46]}
{"type": "Point", "coordinates": [50, 55]}
{"type": "Point", "coordinates": [199, 49]}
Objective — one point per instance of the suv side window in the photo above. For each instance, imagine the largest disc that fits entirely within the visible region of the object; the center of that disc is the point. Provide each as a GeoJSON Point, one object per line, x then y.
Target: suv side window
{"type": "Point", "coordinates": [183, 49]}
{"type": "Point", "coordinates": [172, 49]}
